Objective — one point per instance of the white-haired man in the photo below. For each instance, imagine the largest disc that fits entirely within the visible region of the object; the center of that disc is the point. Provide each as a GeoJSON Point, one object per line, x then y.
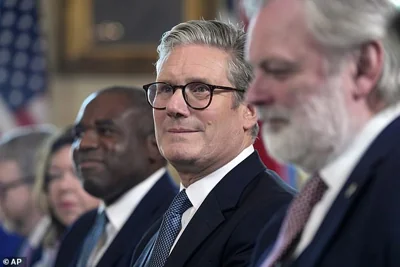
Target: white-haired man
{"type": "Point", "coordinates": [327, 89]}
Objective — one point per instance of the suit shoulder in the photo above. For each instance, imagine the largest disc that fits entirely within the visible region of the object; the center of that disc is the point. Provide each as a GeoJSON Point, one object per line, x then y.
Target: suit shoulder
{"type": "Point", "coordinates": [87, 219]}
{"type": "Point", "coordinates": [385, 183]}
{"type": "Point", "coordinates": [270, 187]}
{"type": "Point", "coordinates": [266, 212]}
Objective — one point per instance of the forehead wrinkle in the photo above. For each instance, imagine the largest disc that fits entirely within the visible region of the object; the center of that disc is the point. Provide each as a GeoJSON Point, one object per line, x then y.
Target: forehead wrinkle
{"type": "Point", "coordinates": [270, 29]}
{"type": "Point", "coordinates": [178, 66]}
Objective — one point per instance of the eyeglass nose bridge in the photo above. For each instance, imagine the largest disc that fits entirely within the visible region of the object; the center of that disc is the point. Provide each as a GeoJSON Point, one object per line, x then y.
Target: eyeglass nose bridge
{"type": "Point", "coordinates": [174, 89]}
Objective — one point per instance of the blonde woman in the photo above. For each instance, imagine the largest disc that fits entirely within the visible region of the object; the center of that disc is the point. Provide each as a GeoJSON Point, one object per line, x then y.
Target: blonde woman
{"type": "Point", "coordinates": [59, 192]}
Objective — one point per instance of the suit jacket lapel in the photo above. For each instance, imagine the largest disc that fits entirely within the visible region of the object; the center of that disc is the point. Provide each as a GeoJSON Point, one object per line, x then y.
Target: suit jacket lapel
{"type": "Point", "coordinates": [144, 256]}
{"type": "Point", "coordinates": [211, 214]}
{"type": "Point", "coordinates": [352, 189]}
{"type": "Point", "coordinates": [76, 241]}
{"type": "Point", "coordinates": [138, 222]}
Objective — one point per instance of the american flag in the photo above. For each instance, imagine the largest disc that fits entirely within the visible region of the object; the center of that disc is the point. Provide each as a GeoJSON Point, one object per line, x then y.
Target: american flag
{"type": "Point", "coordinates": [22, 65]}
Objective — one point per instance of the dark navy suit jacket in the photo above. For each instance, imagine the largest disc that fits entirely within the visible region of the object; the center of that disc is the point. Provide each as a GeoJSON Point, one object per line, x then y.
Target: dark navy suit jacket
{"type": "Point", "coordinates": [362, 228]}
{"type": "Point", "coordinates": [224, 229]}
{"type": "Point", "coordinates": [149, 210]}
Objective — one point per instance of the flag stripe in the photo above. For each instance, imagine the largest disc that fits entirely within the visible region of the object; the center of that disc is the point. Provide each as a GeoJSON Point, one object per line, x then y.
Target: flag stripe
{"type": "Point", "coordinates": [22, 64]}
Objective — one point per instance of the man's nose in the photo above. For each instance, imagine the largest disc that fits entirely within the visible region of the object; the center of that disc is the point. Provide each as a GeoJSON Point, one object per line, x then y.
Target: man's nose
{"type": "Point", "coordinates": [259, 92]}
{"type": "Point", "coordinates": [176, 106]}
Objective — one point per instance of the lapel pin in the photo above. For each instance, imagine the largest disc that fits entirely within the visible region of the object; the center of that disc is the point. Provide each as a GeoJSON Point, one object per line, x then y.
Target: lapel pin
{"type": "Point", "coordinates": [350, 190]}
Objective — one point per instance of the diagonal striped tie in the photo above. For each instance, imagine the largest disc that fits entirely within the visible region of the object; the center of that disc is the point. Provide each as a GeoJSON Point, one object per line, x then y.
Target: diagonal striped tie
{"type": "Point", "coordinates": [296, 219]}
{"type": "Point", "coordinates": [169, 229]}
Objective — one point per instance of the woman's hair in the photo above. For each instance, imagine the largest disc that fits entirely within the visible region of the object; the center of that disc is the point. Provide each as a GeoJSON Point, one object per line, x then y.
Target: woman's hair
{"type": "Point", "coordinates": [49, 148]}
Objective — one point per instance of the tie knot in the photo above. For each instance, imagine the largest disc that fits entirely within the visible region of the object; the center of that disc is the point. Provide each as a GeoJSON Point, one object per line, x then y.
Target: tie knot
{"type": "Point", "coordinates": [180, 203]}
{"type": "Point", "coordinates": [101, 219]}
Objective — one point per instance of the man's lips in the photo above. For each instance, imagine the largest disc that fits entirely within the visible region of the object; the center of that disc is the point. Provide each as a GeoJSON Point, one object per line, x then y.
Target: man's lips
{"type": "Point", "coordinates": [181, 130]}
{"type": "Point", "coordinates": [275, 124]}
{"type": "Point", "coordinates": [90, 164]}
{"type": "Point", "coordinates": [66, 205]}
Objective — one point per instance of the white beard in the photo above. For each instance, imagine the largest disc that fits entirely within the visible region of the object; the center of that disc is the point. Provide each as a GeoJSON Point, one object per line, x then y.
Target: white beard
{"type": "Point", "coordinates": [318, 129]}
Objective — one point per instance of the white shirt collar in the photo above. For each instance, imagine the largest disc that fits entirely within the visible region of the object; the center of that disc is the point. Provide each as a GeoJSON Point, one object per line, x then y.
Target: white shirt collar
{"type": "Point", "coordinates": [119, 212]}
{"type": "Point", "coordinates": [336, 173]}
{"type": "Point", "coordinates": [199, 190]}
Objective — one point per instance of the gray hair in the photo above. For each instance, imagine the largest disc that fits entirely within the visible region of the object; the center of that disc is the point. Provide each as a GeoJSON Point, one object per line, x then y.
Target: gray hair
{"type": "Point", "coordinates": [225, 36]}
{"type": "Point", "coordinates": [22, 145]}
{"type": "Point", "coordinates": [344, 26]}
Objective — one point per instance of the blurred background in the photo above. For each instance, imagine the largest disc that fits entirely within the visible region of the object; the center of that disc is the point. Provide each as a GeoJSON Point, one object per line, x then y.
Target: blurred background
{"type": "Point", "coordinates": [54, 53]}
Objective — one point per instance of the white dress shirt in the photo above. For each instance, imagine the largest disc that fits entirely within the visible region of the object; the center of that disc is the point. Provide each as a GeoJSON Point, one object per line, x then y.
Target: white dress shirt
{"type": "Point", "coordinates": [199, 190]}
{"type": "Point", "coordinates": [335, 173]}
{"type": "Point", "coordinates": [120, 211]}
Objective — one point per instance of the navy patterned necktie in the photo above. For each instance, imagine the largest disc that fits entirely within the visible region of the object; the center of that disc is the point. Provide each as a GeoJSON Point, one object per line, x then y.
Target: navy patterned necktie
{"type": "Point", "coordinates": [92, 238]}
{"type": "Point", "coordinates": [169, 229]}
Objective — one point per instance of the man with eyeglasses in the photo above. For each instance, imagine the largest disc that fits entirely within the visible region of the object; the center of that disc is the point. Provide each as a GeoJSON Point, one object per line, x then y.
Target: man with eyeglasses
{"type": "Point", "coordinates": [206, 131]}
{"type": "Point", "coordinates": [18, 149]}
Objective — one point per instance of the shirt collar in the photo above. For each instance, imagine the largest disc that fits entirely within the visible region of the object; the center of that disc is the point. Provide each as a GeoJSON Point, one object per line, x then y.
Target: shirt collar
{"type": "Point", "coordinates": [119, 212]}
{"type": "Point", "coordinates": [336, 173]}
{"type": "Point", "coordinates": [199, 190]}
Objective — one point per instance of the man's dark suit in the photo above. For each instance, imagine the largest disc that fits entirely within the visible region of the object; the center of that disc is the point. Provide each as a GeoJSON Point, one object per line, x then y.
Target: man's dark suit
{"type": "Point", "coordinates": [224, 229]}
{"type": "Point", "coordinates": [362, 228]}
{"type": "Point", "coordinates": [149, 210]}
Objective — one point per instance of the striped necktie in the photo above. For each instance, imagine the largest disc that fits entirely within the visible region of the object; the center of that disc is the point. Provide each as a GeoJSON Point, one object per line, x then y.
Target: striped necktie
{"type": "Point", "coordinates": [92, 238]}
{"type": "Point", "coordinates": [296, 219]}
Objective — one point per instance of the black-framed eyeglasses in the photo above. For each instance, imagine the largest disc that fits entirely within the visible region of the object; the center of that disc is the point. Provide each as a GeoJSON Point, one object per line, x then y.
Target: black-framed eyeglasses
{"type": "Point", "coordinates": [197, 95]}
{"type": "Point", "coordinates": [4, 187]}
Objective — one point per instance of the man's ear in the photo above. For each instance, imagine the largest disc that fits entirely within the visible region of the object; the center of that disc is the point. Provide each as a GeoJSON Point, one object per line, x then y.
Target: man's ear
{"type": "Point", "coordinates": [369, 69]}
{"type": "Point", "coordinates": [250, 116]}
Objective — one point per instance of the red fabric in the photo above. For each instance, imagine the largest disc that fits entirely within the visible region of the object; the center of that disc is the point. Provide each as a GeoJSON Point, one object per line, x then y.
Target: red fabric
{"type": "Point", "coordinates": [268, 161]}
{"type": "Point", "coordinates": [24, 117]}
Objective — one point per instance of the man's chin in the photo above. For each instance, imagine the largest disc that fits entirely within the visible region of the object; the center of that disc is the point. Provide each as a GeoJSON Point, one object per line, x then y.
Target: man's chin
{"type": "Point", "coordinates": [279, 148]}
{"type": "Point", "coordinates": [180, 153]}
{"type": "Point", "coordinates": [95, 189]}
